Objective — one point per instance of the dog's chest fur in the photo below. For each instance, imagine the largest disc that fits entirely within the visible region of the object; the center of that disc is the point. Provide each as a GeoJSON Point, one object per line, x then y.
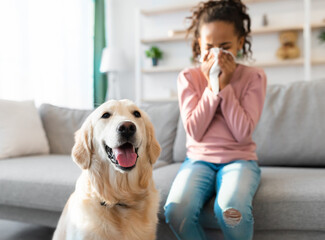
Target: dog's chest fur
{"type": "Point", "coordinates": [114, 221]}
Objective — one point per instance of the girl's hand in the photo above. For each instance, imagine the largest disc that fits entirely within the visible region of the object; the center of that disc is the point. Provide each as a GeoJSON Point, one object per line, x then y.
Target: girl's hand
{"type": "Point", "coordinates": [228, 66]}
{"type": "Point", "coordinates": [208, 60]}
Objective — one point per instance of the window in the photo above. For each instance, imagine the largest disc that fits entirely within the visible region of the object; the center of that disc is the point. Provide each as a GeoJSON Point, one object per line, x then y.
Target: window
{"type": "Point", "coordinates": [46, 51]}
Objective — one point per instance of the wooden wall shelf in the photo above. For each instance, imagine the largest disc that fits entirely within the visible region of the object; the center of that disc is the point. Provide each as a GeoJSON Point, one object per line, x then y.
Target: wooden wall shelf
{"type": "Point", "coordinates": [261, 30]}
{"type": "Point", "coordinates": [185, 7]}
{"type": "Point", "coordinates": [273, 63]}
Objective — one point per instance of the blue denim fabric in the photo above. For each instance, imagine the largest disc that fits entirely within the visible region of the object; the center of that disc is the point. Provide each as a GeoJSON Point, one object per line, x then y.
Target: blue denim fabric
{"type": "Point", "coordinates": [234, 184]}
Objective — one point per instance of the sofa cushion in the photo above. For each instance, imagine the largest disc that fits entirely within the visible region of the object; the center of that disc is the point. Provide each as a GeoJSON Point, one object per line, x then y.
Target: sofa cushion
{"type": "Point", "coordinates": [291, 129]}
{"type": "Point", "coordinates": [163, 178]}
{"type": "Point", "coordinates": [179, 153]}
{"type": "Point", "coordinates": [21, 130]}
{"type": "Point", "coordinates": [60, 125]}
{"type": "Point", "coordinates": [164, 118]}
{"type": "Point", "coordinates": [39, 182]}
{"type": "Point", "coordinates": [291, 198]}
{"type": "Point", "coordinates": [287, 199]}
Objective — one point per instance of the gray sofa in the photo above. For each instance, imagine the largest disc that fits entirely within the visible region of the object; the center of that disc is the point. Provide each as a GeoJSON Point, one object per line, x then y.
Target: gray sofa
{"type": "Point", "coordinates": [289, 204]}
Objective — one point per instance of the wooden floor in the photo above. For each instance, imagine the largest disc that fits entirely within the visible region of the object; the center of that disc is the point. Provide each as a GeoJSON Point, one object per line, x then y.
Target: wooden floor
{"type": "Point", "coordinates": [22, 231]}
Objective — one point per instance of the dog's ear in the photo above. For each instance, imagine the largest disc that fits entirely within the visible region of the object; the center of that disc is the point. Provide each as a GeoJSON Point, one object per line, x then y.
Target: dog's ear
{"type": "Point", "coordinates": [153, 147]}
{"type": "Point", "coordinates": [82, 149]}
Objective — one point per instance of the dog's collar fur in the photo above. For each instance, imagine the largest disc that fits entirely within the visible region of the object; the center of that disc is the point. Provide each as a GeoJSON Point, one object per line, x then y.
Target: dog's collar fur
{"type": "Point", "coordinates": [103, 203]}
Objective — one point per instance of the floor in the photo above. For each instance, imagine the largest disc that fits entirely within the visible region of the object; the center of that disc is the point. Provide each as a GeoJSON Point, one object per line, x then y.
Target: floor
{"type": "Point", "coordinates": [22, 231]}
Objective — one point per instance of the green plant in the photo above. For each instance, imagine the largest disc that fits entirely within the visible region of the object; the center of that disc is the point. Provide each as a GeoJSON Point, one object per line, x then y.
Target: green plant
{"type": "Point", "coordinates": [154, 52]}
{"type": "Point", "coordinates": [321, 37]}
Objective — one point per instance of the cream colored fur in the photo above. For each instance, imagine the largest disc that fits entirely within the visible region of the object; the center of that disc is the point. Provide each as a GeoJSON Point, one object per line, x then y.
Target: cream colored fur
{"type": "Point", "coordinates": [83, 217]}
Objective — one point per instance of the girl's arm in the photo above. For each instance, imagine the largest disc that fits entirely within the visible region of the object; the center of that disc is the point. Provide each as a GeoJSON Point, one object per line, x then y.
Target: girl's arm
{"type": "Point", "coordinates": [242, 117]}
{"type": "Point", "coordinates": [197, 111]}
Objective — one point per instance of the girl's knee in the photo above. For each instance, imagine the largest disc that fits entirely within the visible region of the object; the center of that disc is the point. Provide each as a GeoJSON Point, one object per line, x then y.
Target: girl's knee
{"type": "Point", "coordinates": [236, 223]}
{"type": "Point", "coordinates": [179, 217]}
{"type": "Point", "coordinates": [170, 212]}
{"type": "Point", "coordinates": [232, 217]}
{"type": "Point", "coordinates": [174, 214]}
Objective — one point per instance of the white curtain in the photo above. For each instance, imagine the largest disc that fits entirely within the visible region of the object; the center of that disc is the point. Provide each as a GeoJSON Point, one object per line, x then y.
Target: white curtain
{"type": "Point", "coordinates": [46, 51]}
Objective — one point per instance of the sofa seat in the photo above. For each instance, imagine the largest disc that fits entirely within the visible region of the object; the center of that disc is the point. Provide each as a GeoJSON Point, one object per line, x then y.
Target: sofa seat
{"type": "Point", "coordinates": [38, 182]}
{"type": "Point", "coordinates": [288, 198]}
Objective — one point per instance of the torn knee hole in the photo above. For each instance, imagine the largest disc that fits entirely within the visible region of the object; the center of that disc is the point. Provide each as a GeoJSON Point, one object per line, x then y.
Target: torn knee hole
{"type": "Point", "coordinates": [232, 217]}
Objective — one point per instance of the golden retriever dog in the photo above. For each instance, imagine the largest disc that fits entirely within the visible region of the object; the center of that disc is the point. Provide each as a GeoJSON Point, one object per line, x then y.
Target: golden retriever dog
{"type": "Point", "coordinates": [115, 197]}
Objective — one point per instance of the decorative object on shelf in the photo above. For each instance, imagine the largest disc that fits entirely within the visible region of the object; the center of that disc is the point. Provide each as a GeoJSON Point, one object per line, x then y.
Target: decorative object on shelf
{"type": "Point", "coordinates": [321, 36]}
{"type": "Point", "coordinates": [113, 62]}
{"type": "Point", "coordinates": [265, 21]}
{"type": "Point", "coordinates": [154, 53]}
{"type": "Point", "coordinates": [288, 49]}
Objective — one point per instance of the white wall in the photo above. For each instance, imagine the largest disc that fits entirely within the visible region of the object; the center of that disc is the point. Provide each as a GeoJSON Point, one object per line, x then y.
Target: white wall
{"type": "Point", "coordinates": [122, 19]}
{"type": "Point", "coordinates": [123, 34]}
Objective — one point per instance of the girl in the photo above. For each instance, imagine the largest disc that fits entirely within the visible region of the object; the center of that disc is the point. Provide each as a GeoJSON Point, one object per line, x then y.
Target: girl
{"type": "Point", "coordinates": [221, 156]}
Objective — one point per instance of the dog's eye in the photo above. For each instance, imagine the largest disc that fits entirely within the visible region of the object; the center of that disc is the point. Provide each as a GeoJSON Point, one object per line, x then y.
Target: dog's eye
{"type": "Point", "coordinates": [136, 114]}
{"type": "Point", "coordinates": [106, 115]}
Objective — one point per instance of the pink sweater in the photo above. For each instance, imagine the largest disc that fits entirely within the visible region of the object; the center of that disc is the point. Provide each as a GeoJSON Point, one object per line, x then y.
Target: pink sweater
{"type": "Point", "coordinates": [219, 127]}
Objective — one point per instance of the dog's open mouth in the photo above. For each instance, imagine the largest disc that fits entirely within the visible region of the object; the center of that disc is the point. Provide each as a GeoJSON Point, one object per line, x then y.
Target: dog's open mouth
{"type": "Point", "coordinates": [124, 156]}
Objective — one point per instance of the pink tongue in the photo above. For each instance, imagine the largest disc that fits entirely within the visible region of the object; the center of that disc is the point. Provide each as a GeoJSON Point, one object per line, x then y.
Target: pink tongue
{"type": "Point", "coordinates": [125, 156]}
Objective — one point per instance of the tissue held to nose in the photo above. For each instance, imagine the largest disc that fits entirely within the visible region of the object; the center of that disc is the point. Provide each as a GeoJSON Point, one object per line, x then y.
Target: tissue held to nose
{"type": "Point", "coordinates": [215, 69]}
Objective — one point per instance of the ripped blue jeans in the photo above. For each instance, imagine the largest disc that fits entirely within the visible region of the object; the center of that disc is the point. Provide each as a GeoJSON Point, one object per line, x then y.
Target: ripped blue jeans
{"type": "Point", "coordinates": [234, 184]}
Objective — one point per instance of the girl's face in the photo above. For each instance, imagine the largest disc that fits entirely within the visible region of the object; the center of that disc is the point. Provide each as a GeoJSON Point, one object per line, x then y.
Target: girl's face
{"type": "Point", "coordinates": [220, 34]}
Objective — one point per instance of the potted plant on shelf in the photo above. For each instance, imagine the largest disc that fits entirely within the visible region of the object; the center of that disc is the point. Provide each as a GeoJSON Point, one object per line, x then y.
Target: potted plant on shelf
{"type": "Point", "coordinates": [154, 53]}
{"type": "Point", "coordinates": [321, 37]}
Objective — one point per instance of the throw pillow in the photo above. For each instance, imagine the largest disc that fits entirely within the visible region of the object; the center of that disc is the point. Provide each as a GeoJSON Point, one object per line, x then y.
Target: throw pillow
{"type": "Point", "coordinates": [21, 130]}
{"type": "Point", "coordinates": [164, 117]}
{"type": "Point", "coordinates": [61, 124]}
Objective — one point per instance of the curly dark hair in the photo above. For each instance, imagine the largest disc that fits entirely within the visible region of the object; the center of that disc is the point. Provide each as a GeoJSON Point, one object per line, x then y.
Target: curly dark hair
{"type": "Point", "coordinates": [232, 11]}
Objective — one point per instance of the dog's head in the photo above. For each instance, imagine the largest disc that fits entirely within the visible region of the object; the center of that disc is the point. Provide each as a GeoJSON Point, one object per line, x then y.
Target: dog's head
{"type": "Point", "coordinates": [117, 132]}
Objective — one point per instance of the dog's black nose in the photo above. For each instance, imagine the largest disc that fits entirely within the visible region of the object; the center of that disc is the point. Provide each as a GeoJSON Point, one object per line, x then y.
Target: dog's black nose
{"type": "Point", "coordinates": [126, 129]}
